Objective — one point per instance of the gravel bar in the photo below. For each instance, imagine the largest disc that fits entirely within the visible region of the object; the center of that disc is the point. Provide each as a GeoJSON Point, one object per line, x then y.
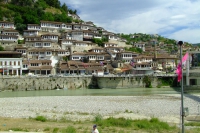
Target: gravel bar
{"type": "Point", "coordinates": [165, 107]}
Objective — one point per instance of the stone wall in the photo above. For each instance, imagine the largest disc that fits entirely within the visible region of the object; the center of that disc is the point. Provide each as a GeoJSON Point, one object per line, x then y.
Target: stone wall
{"type": "Point", "coordinates": [124, 82]}
{"type": "Point", "coordinates": [50, 83]}
{"type": "Point", "coordinates": [45, 83]}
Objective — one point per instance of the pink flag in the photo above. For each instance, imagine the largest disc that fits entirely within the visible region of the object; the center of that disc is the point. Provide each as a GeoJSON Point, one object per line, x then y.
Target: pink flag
{"type": "Point", "coordinates": [179, 68]}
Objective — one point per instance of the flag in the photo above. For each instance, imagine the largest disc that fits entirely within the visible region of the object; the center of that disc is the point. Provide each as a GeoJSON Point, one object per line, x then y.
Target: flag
{"type": "Point", "coordinates": [28, 61]}
{"type": "Point", "coordinates": [101, 63]}
{"type": "Point", "coordinates": [132, 63]}
{"type": "Point", "coordinates": [179, 67]}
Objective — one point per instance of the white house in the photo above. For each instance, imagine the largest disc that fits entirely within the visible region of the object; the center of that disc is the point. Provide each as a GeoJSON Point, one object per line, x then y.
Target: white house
{"type": "Point", "coordinates": [51, 26]}
{"type": "Point", "coordinates": [77, 35]}
{"type": "Point", "coordinates": [125, 56]}
{"type": "Point", "coordinates": [7, 25]}
{"type": "Point", "coordinates": [143, 59]}
{"type": "Point", "coordinates": [107, 44]}
{"type": "Point", "coordinates": [21, 50]}
{"type": "Point", "coordinates": [50, 37]}
{"type": "Point", "coordinates": [10, 63]}
{"type": "Point", "coordinates": [140, 45]}
{"type": "Point", "coordinates": [8, 38]}
{"type": "Point", "coordinates": [42, 67]}
{"type": "Point", "coordinates": [32, 38]}
{"type": "Point", "coordinates": [65, 43]}
{"type": "Point", "coordinates": [9, 32]}
{"type": "Point", "coordinates": [87, 34]}
{"type": "Point", "coordinates": [39, 53]}
{"type": "Point", "coordinates": [33, 27]}
{"type": "Point", "coordinates": [30, 33]}
{"type": "Point", "coordinates": [97, 50]}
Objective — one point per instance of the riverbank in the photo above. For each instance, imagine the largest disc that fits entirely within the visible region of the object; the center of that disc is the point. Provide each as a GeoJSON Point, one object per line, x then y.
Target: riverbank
{"type": "Point", "coordinates": [166, 107]}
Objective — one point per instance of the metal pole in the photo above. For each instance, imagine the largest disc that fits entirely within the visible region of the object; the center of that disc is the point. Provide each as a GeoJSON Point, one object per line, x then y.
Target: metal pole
{"type": "Point", "coordinates": [182, 107]}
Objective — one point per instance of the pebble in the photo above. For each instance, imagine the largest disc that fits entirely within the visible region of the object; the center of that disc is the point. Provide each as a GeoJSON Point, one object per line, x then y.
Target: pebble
{"type": "Point", "coordinates": [87, 107]}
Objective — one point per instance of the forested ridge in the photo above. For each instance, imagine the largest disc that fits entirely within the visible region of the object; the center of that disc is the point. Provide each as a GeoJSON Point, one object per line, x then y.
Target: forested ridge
{"type": "Point", "coordinates": [23, 12]}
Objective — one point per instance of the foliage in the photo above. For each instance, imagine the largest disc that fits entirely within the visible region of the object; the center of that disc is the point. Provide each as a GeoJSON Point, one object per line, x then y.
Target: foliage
{"type": "Point", "coordinates": [22, 2]}
{"type": "Point", "coordinates": [98, 41]}
{"type": "Point", "coordinates": [65, 58]}
{"type": "Point", "coordinates": [168, 82]}
{"type": "Point", "coordinates": [20, 27]}
{"type": "Point", "coordinates": [20, 41]}
{"type": "Point", "coordinates": [69, 129]}
{"type": "Point", "coordinates": [55, 130]}
{"type": "Point", "coordinates": [64, 8]}
{"type": "Point", "coordinates": [154, 124]}
{"type": "Point", "coordinates": [134, 49]}
{"type": "Point", "coordinates": [24, 12]}
{"type": "Point", "coordinates": [53, 3]}
{"type": "Point", "coordinates": [147, 81]}
{"type": "Point", "coordinates": [1, 48]}
{"type": "Point", "coordinates": [41, 118]}
{"type": "Point", "coordinates": [192, 124]}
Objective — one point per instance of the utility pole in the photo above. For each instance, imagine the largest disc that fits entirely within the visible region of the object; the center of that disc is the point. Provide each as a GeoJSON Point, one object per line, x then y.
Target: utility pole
{"type": "Point", "coordinates": [180, 43]}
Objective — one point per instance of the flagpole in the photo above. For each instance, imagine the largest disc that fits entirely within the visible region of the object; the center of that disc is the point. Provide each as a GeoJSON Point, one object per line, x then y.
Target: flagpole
{"type": "Point", "coordinates": [182, 107]}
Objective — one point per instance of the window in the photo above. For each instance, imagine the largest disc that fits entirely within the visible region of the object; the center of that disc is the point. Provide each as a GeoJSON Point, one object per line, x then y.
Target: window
{"type": "Point", "coordinates": [48, 53]}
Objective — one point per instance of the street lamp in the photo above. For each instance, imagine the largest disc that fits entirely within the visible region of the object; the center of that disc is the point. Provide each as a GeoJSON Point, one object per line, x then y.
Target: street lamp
{"type": "Point", "coordinates": [180, 43]}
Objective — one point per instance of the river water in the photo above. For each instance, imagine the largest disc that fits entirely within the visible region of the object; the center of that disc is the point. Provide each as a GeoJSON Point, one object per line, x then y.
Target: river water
{"type": "Point", "coordinates": [91, 92]}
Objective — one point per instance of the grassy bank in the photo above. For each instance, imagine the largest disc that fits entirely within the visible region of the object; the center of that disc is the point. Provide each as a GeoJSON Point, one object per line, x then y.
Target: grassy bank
{"type": "Point", "coordinates": [114, 125]}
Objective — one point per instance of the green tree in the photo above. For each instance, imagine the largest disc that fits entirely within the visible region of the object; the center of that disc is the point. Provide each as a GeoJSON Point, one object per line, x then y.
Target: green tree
{"type": "Point", "coordinates": [98, 41]}
{"type": "Point", "coordinates": [1, 48]}
{"type": "Point", "coordinates": [31, 18]}
{"type": "Point", "coordinates": [47, 16]}
{"type": "Point", "coordinates": [64, 8]}
{"type": "Point", "coordinates": [20, 27]}
{"type": "Point", "coordinates": [147, 81]}
{"type": "Point", "coordinates": [53, 3]}
{"type": "Point", "coordinates": [41, 3]}
{"type": "Point", "coordinates": [18, 19]}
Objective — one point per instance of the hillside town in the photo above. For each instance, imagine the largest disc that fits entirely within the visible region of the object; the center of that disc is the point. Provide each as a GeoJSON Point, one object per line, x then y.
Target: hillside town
{"type": "Point", "coordinates": [62, 49]}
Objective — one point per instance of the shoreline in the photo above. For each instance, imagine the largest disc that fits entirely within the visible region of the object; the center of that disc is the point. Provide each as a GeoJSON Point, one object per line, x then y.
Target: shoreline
{"type": "Point", "coordinates": [166, 107]}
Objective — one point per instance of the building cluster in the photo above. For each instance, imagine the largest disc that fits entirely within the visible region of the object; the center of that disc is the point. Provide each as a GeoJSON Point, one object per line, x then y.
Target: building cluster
{"type": "Point", "coordinates": [63, 48]}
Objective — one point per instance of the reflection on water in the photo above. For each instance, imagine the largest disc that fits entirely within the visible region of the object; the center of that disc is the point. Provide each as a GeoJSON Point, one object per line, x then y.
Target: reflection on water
{"type": "Point", "coordinates": [90, 92]}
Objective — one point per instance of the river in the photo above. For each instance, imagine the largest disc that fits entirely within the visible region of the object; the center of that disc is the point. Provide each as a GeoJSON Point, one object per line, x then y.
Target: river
{"type": "Point", "coordinates": [91, 92]}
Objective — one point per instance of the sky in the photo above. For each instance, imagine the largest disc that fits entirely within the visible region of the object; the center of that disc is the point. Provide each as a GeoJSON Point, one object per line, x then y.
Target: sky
{"type": "Point", "coordinates": [174, 19]}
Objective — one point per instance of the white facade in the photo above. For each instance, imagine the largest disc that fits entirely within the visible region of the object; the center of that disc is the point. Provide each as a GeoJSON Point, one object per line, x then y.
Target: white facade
{"type": "Point", "coordinates": [53, 38]}
{"type": "Point", "coordinates": [140, 45]}
{"type": "Point", "coordinates": [126, 57]}
{"type": "Point", "coordinates": [53, 26]}
{"type": "Point", "coordinates": [77, 57]}
{"type": "Point", "coordinates": [77, 35]}
{"type": "Point", "coordinates": [7, 25]}
{"type": "Point", "coordinates": [8, 38]}
{"type": "Point", "coordinates": [110, 45]}
{"type": "Point", "coordinates": [11, 66]}
{"type": "Point", "coordinates": [10, 32]}
{"type": "Point", "coordinates": [23, 51]}
{"type": "Point", "coordinates": [40, 54]}
{"type": "Point", "coordinates": [30, 33]}
{"type": "Point", "coordinates": [42, 44]}
{"type": "Point", "coordinates": [33, 27]}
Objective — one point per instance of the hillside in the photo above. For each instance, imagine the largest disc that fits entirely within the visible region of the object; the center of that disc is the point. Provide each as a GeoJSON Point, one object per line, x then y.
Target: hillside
{"type": "Point", "coordinates": [166, 44]}
{"type": "Point", "coordinates": [23, 12]}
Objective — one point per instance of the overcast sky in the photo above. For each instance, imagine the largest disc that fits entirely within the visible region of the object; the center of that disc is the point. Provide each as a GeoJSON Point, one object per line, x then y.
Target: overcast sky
{"type": "Point", "coordinates": [175, 19]}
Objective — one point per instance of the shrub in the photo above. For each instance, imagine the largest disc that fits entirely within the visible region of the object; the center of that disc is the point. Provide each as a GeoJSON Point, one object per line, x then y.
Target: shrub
{"type": "Point", "coordinates": [70, 129]}
{"type": "Point", "coordinates": [41, 118]}
{"type": "Point", "coordinates": [55, 130]}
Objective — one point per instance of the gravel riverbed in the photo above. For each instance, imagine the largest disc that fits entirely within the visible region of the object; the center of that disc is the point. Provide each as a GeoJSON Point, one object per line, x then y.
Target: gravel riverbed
{"type": "Point", "coordinates": [164, 107]}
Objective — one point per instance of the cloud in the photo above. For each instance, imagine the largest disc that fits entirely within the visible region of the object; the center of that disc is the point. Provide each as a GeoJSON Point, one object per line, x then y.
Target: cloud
{"type": "Point", "coordinates": [167, 18]}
